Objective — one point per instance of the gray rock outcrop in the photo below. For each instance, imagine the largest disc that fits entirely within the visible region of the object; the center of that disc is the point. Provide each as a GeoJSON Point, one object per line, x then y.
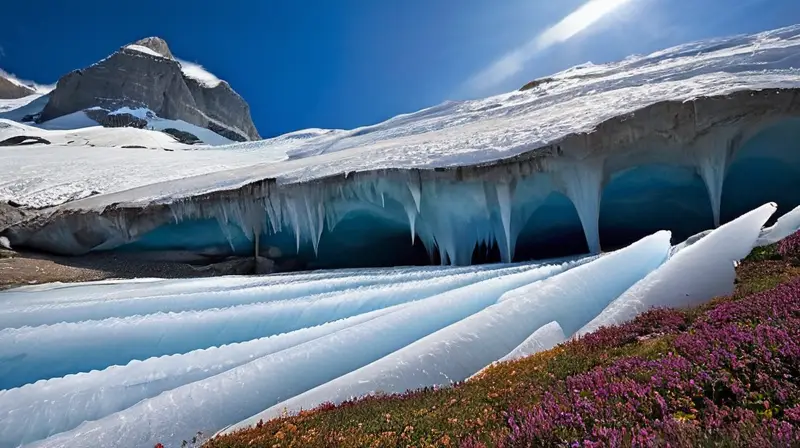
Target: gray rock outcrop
{"type": "Point", "coordinates": [11, 215]}
{"type": "Point", "coordinates": [182, 136]}
{"type": "Point", "coordinates": [154, 80]}
{"type": "Point", "coordinates": [122, 120]}
{"type": "Point", "coordinates": [10, 90]}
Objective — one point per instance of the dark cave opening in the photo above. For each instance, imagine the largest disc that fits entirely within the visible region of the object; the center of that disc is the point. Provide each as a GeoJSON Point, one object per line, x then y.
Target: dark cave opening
{"type": "Point", "coordinates": [765, 169]}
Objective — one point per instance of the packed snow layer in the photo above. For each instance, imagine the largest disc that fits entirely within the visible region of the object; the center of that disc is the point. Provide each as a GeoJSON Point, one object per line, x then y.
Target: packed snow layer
{"type": "Point", "coordinates": [102, 364]}
{"type": "Point", "coordinates": [783, 227]}
{"type": "Point", "coordinates": [545, 338]}
{"type": "Point", "coordinates": [61, 174]}
{"type": "Point", "coordinates": [48, 351]}
{"type": "Point", "coordinates": [61, 404]}
{"type": "Point", "coordinates": [291, 371]}
{"type": "Point", "coordinates": [455, 353]}
{"type": "Point", "coordinates": [454, 133]}
{"type": "Point", "coordinates": [693, 276]}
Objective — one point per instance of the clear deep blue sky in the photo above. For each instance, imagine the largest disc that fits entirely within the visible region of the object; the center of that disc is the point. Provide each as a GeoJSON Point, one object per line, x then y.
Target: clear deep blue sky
{"type": "Point", "coordinates": [345, 63]}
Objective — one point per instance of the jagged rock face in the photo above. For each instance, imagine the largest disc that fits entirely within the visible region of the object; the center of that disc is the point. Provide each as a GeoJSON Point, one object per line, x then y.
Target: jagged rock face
{"type": "Point", "coordinates": [137, 79]}
{"type": "Point", "coordinates": [225, 108]}
{"type": "Point", "coordinates": [10, 90]}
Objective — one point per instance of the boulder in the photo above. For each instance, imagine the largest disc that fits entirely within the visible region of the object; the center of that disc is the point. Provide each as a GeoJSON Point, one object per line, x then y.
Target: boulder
{"type": "Point", "coordinates": [10, 90]}
{"type": "Point", "coordinates": [146, 75]}
{"type": "Point", "coordinates": [120, 120]}
{"type": "Point", "coordinates": [182, 136]}
{"type": "Point", "coordinates": [11, 215]}
{"type": "Point", "coordinates": [20, 140]}
{"type": "Point", "coordinates": [240, 266]}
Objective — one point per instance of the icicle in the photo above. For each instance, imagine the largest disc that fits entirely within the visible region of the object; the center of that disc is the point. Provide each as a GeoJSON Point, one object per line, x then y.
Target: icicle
{"type": "Point", "coordinates": [583, 182]}
{"type": "Point", "coordinates": [504, 201]}
{"type": "Point", "coordinates": [712, 165]}
{"type": "Point", "coordinates": [415, 192]}
{"type": "Point", "coordinates": [412, 221]}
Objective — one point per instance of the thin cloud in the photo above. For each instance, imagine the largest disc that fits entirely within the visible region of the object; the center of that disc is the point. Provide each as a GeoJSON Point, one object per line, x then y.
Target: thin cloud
{"type": "Point", "coordinates": [198, 73]}
{"type": "Point", "coordinates": [571, 25]}
{"type": "Point", "coordinates": [2, 51]}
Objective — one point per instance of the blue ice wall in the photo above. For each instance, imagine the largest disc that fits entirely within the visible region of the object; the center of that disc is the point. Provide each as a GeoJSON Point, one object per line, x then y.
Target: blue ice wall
{"type": "Point", "coordinates": [366, 239]}
{"type": "Point", "coordinates": [643, 200]}
{"type": "Point", "coordinates": [194, 235]}
{"type": "Point", "coordinates": [766, 168]}
{"type": "Point", "coordinates": [370, 222]}
{"type": "Point", "coordinates": [553, 230]}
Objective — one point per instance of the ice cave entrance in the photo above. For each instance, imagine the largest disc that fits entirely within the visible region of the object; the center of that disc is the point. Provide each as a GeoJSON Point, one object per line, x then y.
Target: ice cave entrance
{"type": "Point", "coordinates": [635, 202]}
{"type": "Point", "coordinates": [766, 168]}
{"type": "Point", "coordinates": [645, 199]}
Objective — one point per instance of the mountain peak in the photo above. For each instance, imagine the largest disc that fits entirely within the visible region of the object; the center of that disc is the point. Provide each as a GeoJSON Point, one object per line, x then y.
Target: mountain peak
{"type": "Point", "coordinates": [156, 44]}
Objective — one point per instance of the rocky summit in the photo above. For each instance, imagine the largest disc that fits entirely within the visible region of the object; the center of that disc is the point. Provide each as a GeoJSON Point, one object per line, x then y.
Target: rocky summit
{"type": "Point", "coordinates": [145, 74]}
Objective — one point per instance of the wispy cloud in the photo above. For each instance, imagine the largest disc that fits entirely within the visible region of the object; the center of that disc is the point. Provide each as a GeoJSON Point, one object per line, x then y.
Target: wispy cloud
{"type": "Point", "coordinates": [514, 61]}
{"type": "Point", "coordinates": [2, 51]}
{"type": "Point", "coordinates": [197, 72]}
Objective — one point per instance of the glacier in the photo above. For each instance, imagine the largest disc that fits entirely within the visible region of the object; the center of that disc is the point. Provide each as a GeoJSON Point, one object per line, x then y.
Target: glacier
{"type": "Point", "coordinates": [48, 351]}
{"type": "Point", "coordinates": [545, 338]}
{"type": "Point", "coordinates": [621, 180]}
{"type": "Point", "coordinates": [693, 276]}
{"type": "Point", "coordinates": [455, 353]}
{"type": "Point", "coordinates": [201, 405]}
{"type": "Point", "coordinates": [593, 159]}
{"type": "Point", "coordinates": [353, 332]}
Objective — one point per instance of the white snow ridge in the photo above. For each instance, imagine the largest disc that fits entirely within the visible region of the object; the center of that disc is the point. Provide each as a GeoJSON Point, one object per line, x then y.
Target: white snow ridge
{"type": "Point", "coordinates": [582, 163]}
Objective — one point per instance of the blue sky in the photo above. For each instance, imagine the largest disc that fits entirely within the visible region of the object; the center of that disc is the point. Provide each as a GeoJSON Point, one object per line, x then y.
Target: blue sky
{"type": "Point", "coordinates": [345, 63]}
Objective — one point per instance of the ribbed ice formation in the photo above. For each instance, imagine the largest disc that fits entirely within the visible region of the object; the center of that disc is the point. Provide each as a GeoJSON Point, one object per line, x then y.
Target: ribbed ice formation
{"type": "Point", "coordinates": [231, 350]}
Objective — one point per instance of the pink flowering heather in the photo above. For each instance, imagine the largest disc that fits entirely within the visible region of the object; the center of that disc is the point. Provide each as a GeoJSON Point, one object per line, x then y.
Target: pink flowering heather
{"type": "Point", "coordinates": [790, 247]}
{"type": "Point", "coordinates": [733, 379]}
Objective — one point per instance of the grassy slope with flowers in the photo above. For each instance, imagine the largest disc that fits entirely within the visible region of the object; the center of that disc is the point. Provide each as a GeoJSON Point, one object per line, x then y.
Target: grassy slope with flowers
{"type": "Point", "coordinates": [725, 374]}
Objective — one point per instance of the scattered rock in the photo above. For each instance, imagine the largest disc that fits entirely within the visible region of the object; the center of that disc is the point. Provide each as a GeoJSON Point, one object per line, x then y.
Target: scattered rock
{"type": "Point", "coordinates": [133, 147]}
{"type": "Point", "coordinates": [121, 120]}
{"type": "Point", "coordinates": [240, 266]}
{"type": "Point", "coordinates": [264, 266]}
{"type": "Point", "coordinates": [535, 83]}
{"type": "Point", "coordinates": [182, 136]}
{"type": "Point", "coordinates": [30, 118]}
{"type": "Point", "coordinates": [20, 140]}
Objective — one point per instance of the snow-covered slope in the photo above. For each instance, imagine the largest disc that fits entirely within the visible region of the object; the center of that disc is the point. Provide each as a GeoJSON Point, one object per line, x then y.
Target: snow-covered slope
{"type": "Point", "coordinates": [135, 363]}
{"type": "Point", "coordinates": [480, 131]}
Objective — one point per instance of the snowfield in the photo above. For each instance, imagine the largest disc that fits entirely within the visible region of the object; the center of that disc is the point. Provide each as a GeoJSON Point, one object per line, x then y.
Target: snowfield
{"type": "Point", "coordinates": [140, 362]}
{"type": "Point", "coordinates": [454, 133]}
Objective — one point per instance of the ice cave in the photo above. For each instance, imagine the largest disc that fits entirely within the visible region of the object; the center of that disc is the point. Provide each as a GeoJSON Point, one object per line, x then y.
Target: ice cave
{"type": "Point", "coordinates": [369, 222]}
